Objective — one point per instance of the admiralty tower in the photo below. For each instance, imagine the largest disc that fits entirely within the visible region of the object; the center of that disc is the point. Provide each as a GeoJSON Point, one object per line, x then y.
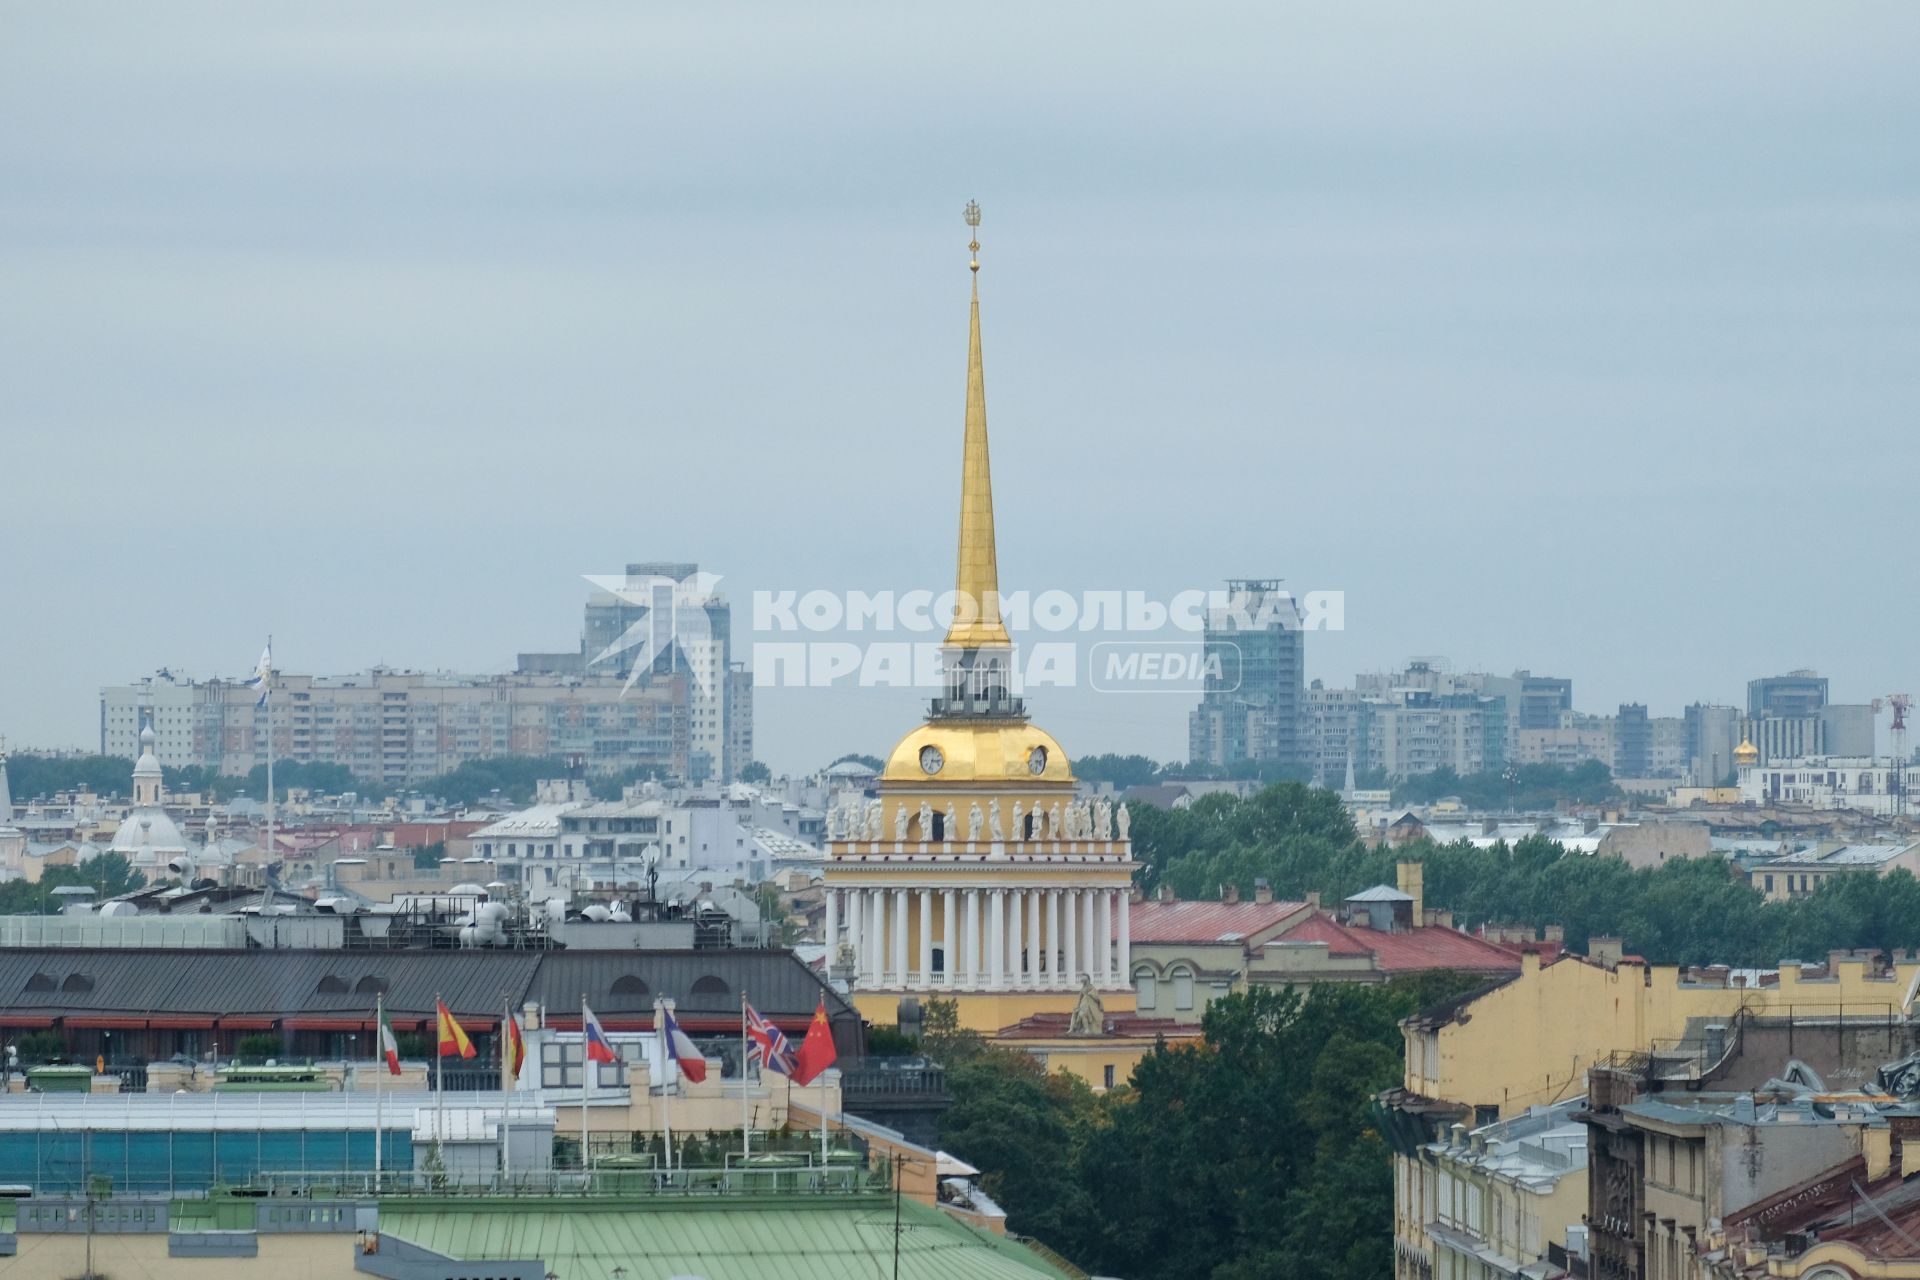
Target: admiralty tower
{"type": "Point", "coordinates": [977, 875]}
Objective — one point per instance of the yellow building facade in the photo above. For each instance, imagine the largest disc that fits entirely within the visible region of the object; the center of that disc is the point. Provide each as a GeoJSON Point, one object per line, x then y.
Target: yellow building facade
{"type": "Point", "coordinates": [976, 874]}
{"type": "Point", "coordinates": [1530, 1042]}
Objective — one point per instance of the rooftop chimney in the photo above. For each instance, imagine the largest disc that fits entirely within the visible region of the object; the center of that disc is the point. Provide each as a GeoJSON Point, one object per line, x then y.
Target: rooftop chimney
{"type": "Point", "coordinates": [1166, 893]}
{"type": "Point", "coordinates": [1262, 891]}
{"type": "Point", "coordinates": [1410, 878]}
{"type": "Point", "coordinates": [1229, 893]}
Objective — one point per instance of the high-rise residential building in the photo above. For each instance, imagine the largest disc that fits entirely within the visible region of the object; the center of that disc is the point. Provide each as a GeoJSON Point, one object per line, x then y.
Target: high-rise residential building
{"type": "Point", "coordinates": [1329, 716]}
{"type": "Point", "coordinates": [1785, 737]}
{"type": "Point", "coordinates": [1251, 704]}
{"type": "Point", "coordinates": [1797, 693]}
{"type": "Point", "coordinates": [1632, 742]}
{"type": "Point", "coordinates": [1533, 702]}
{"type": "Point", "coordinates": [663, 618]}
{"type": "Point", "coordinates": [1711, 735]}
{"type": "Point", "coordinates": [1414, 732]}
{"type": "Point", "coordinates": [403, 727]}
{"type": "Point", "coordinates": [1849, 728]}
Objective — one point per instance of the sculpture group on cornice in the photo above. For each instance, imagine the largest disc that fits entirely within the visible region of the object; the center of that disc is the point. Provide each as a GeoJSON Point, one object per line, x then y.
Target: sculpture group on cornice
{"type": "Point", "coordinates": [858, 818]}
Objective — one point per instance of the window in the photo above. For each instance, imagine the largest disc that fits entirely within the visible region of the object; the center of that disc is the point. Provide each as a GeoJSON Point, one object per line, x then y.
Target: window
{"type": "Point", "coordinates": [1143, 986]}
{"type": "Point", "coordinates": [331, 986]}
{"type": "Point", "coordinates": [709, 986]}
{"type": "Point", "coordinates": [1109, 1075]}
{"type": "Point", "coordinates": [1182, 988]}
{"type": "Point", "coordinates": [41, 982]}
{"type": "Point", "coordinates": [370, 984]}
{"type": "Point", "coordinates": [628, 984]}
{"type": "Point", "coordinates": [77, 982]}
{"type": "Point", "coordinates": [1769, 884]}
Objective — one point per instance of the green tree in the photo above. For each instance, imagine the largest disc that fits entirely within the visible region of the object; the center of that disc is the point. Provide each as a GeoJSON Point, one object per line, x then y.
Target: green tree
{"type": "Point", "coordinates": [1119, 772]}
{"type": "Point", "coordinates": [754, 771]}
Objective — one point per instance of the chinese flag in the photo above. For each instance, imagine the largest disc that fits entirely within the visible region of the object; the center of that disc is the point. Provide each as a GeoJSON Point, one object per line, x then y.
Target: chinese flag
{"type": "Point", "coordinates": [453, 1037]}
{"type": "Point", "coordinates": [816, 1051]}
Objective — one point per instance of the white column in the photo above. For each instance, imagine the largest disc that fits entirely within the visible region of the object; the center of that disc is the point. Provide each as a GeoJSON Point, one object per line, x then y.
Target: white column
{"type": "Point", "coordinates": [1105, 935]}
{"type": "Point", "coordinates": [950, 938]}
{"type": "Point", "coordinates": [1071, 911]}
{"type": "Point", "coordinates": [1053, 937]}
{"type": "Point", "coordinates": [996, 939]}
{"type": "Point", "coordinates": [857, 935]}
{"type": "Point", "coordinates": [1034, 898]}
{"type": "Point", "coordinates": [900, 903]}
{"type": "Point", "coordinates": [1089, 936]}
{"type": "Point", "coordinates": [877, 943]}
{"type": "Point", "coordinates": [1014, 941]}
{"type": "Point", "coordinates": [926, 937]}
{"type": "Point", "coordinates": [1124, 953]}
{"type": "Point", "coordinates": [831, 934]}
{"type": "Point", "coordinates": [970, 944]}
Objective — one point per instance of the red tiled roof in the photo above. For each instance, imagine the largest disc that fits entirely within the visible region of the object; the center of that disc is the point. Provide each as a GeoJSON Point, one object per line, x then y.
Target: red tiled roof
{"type": "Point", "coordinates": [1319, 927]}
{"type": "Point", "coordinates": [1411, 951]}
{"type": "Point", "coordinates": [1206, 921]}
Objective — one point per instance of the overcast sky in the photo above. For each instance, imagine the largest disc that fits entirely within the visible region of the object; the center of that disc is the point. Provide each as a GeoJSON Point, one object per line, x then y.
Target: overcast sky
{"type": "Point", "coordinates": [1579, 338]}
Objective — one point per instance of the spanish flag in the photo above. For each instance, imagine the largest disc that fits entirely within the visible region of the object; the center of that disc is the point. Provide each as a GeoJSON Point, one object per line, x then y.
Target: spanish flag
{"type": "Point", "coordinates": [453, 1037]}
{"type": "Point", "coordinates": [516, 1050]}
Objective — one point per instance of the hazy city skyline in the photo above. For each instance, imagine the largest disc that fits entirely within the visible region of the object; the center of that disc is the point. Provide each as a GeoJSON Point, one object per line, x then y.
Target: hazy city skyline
{"type": "Point", "coordinates": [377, 330]}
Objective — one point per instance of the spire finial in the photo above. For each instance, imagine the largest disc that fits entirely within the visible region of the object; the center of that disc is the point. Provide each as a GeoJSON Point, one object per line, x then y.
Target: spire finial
{"type": "Point", "coordinates": [973, 220]}
{"type": "Point", "coordinates": [977, 615]}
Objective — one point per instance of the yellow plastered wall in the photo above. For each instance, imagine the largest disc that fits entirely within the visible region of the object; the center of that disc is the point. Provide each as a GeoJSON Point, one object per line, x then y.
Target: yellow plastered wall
{"type": "Point", "coordinates": [985, 1011]}
{"type": "Point", "coordinates": [1532, 1040]}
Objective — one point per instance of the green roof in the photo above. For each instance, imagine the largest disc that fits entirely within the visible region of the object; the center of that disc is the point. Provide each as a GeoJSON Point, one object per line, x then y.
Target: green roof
{"type": "Point", "coordinates": [736, 1238]}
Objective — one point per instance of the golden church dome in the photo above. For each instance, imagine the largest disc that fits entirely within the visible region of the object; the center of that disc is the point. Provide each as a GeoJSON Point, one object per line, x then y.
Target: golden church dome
{"type": "Point", "coordinates": [1746, 753]}
{"type": "Point", "coordinates": [974, 751]}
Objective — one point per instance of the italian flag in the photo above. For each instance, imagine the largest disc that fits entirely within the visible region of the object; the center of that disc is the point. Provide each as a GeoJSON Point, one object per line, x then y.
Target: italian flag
{"type": "Point", "coordinates": [389, 1046]}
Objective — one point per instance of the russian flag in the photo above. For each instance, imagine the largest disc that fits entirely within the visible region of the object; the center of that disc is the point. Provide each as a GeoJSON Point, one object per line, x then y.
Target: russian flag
{"type": "Point", "coordinates": [692, 1063]}
{"type": "Point", "coordinates": [599, 1049]}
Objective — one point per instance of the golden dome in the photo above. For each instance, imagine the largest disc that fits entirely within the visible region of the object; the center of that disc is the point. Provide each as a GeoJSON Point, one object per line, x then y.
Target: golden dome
{"type": "Point", "coordinates": [1746, 753]}
{"type": "Point", "coordinates": [996, 751]}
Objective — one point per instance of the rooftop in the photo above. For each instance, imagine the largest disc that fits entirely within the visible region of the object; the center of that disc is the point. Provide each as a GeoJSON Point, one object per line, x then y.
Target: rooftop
{"type": "Point", "coordinates": [1153, 921]}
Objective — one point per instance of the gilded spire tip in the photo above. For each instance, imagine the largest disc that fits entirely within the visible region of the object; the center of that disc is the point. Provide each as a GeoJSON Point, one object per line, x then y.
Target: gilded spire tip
{"type": "Point", "coordinates": [972, 216]}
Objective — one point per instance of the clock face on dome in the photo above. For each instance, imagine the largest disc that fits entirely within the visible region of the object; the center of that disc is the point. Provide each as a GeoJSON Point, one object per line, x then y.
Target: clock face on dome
{"type": "Point", "coordinates": [1037, 761]}
{"type": "Point", "coordinates": [931, 759]}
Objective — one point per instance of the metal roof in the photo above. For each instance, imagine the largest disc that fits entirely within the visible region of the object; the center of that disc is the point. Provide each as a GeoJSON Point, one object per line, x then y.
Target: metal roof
{"type": "Point", "coordinates": [795, 1238]}
{"type": "Point", "coordinates": [474, 983]}
{"type": "Point", "coordinates": [1206, 921]}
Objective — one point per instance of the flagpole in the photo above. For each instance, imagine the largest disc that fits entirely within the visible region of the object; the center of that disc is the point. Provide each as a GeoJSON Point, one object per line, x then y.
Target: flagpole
{"type": "Point", "coordinates": [666, 1065]}
{"type": "Point", "coordinates": [506, 1069]}
{"type": "Point", "coordinates": [586, 1067]}
{"type": "Point", "coordinates": [379, 1090]}
{"type": "Point", "coordinates": [439, 1084]}
{"type": "Point", "coordinates": [746, 1134]}
{"type": "Point", "coordinates": [266, 695]}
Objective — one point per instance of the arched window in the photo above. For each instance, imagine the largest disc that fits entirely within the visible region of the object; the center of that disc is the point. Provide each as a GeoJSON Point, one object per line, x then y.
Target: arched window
{"type": "Point", "coordinates": [77, 982]}
{"type": "Point", "coordinates": [710, 986]}
{"type": "Point", "coordinates": [370, 985]}
{"type": "Point", "coordinates": [1182, 988]}
{"type": "Point", "coordinates": [42, 982]}
{"type": "Point", "coordinates": [331, 986]}
{"type": "Point", "coordinates": [1146, 991]}
{"type": "Point", "coordinates": [628, 984]}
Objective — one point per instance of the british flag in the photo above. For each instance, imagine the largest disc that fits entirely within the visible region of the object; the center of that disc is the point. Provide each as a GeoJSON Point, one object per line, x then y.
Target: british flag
{"type": "Point", "coordinates": [770, 1046]}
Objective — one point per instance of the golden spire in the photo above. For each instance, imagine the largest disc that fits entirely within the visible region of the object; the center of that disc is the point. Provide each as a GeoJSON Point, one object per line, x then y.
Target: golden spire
{"type": "Point", "coordinates": [976, 621]}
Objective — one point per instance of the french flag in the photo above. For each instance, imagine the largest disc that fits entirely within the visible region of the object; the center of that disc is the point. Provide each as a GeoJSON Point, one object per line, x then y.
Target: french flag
{"type": "Point", "coordinates": [599, 1049]}
{"type": "Point", "coordinates": [692, 1063]}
